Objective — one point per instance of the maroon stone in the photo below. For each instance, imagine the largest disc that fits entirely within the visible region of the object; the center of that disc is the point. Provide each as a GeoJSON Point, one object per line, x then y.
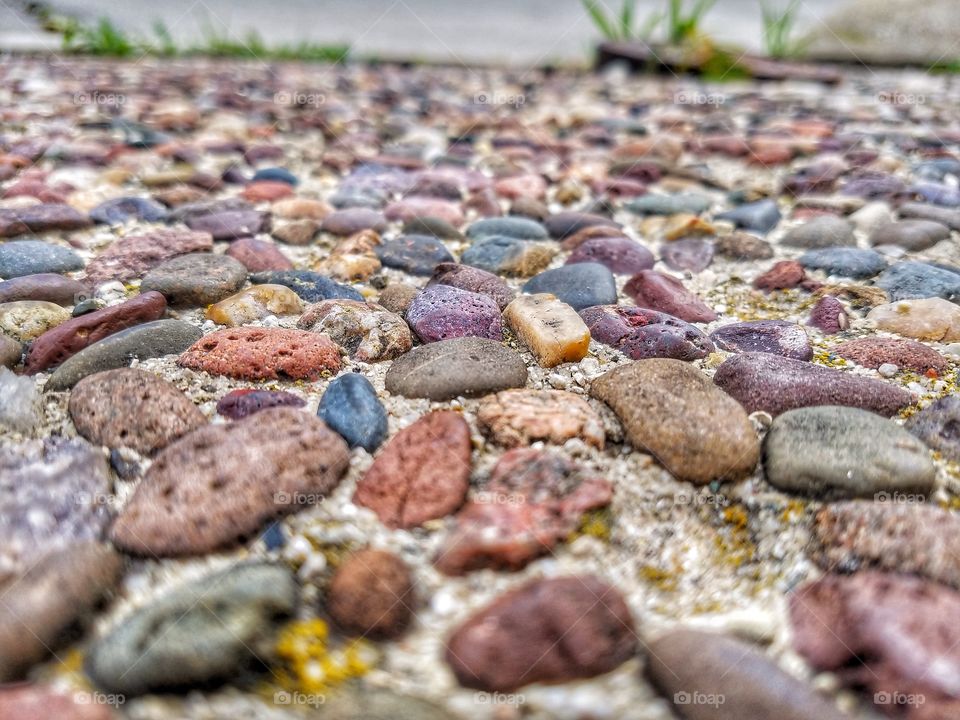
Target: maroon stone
{"type": "Point", "coordinates": [640, 333]}
{"type": "Point", "coordinates": [621, 255]}
{"type": "Point", "coordinates": [40, 218]}
{"type": "Point", "coordinates": [473, 279]}
{"type": "Point", "coordinates": [829, 316]}
{"type": "Point", "coordinates": [238, 404]}
{"type": "Point", "coordinates": [654, 290]}
{"type": "Point", "coordinates": [258, 255]}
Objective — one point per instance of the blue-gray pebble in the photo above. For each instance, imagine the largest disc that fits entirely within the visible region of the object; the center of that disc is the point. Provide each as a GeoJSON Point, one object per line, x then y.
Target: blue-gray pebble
{"type": "Point", "coordinates": [310, 286]}
{"type": "Point", "coordinates": [30, 257]}
{"type": "Point", "coordinates": [519, 228]}
{"type": "Point", "coordinates": [580, 285]}
{"type": "Point", "coordinates": [350, 406]}
{"type": "Point", "coordinates": [844, 261]}
{"type": "Point", "coordinates": [761, 216]}
{"type": "Point", "coordinates": [907, 280]}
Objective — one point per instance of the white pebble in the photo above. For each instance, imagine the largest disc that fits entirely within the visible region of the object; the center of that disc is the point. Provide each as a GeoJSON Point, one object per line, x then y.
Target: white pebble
{"type": "Point", "coordinates": [888, 370]}
{"type": "Point", "coordinates": [19, 402]}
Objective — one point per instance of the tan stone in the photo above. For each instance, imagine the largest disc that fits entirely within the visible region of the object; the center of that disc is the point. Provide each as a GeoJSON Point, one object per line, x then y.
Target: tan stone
{"type": "Point", "coordinates": [924, 319]}
{"type": "Point", "coordinates": [369, 332]}
{"type": "Point", "coordinates": [296, 232]}
{"type": "Point", "coordinates": [550, 329]}
{"type": "Point", "coordinates": [685, 225]}
{"type": "Point", "coordinates": [533, 258]}
{"type": "Point", "coordinates": [519, 417]}
{"type": "Point", "coordinates": [351, 266]}
{"type": "Point", "coordinates": [29, 319]}
{"type": "Point", "coordinates": [300, 209]}
{"type": "Point", "coordinates": [255, 303]}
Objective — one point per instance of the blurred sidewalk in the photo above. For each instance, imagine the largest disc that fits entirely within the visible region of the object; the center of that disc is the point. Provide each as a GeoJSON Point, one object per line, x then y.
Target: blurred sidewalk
{"type": "Point", "coordinates": [21, 33]}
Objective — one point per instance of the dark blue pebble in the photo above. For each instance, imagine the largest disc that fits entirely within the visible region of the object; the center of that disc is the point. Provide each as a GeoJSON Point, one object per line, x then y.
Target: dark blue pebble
{"type": "Point", "coordinates": [310, 286]}
{"type": "Point", "coordinates": [350, 406]}
{"type": "Point", "coordinates": [277, 174]}
{"type": "Point", "coordinates": [124, 209]}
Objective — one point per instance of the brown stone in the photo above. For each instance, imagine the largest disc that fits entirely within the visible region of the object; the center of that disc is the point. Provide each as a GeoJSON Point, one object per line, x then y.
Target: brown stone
{"type": "Point", "coordinates": [743, 246]}
{"type": "Point", "coordinates": [296, 232]}
{"type": "Point", "coordinates": [222, 483]}
{"type": "Point", "coordinates": [131, 257]}
{"type": "Point", "coordinates": [258, 255]}
{"type": "Point", "coordinates": [371, 594]}
{"type": "Point", "coordinates": [40, 218]}
{"type": "Point", "coordinates": [48, 287]}
{"type": "Point", "coordinates": [266, 191]}
{"type": "Point", "coordinates": [397, 297]}
{"type": "Point", "coordinates": [782, 276]}
{"type": "Point", "coordinates": [521, 417]}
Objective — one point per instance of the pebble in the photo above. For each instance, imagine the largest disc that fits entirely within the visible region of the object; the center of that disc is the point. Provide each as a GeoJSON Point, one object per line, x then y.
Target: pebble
{"type": "Point", "coordinates": [412, 207]}
{"type": "Point", "coordinates": [195, 279]}
{"type": "Point", "coordinates": [659, 204]}
{"type": "Point", "coordinates": [255, 303]}
{"type": "Point", "coordinates": [133, 256]}
{"type": "Point", "coordinates": [414, 254]}
{"type": "Point", "coordinates": [310, 286]}
{"type": "Point", "coordinates": [230, 224]}
{"type": "Point", "coordinates": [258, 255]}
{"type": "Point", "coordinates": [258, 191]}
{"type": "Point", "coordinates": [70, 337]}
{"type": "Point", "coordinates": [564, 224]}
{"type": "Point", "coordinates": [349, 221]}
{"type": "Point", "coordinates": [937, 425]}
{"type": "Point", "coordinates": [32, 257]}
{"type": "Point", "coordinates": [177, 641]}
{"type": "Point", "coordinates": [708, 676]}
{"type": "Point", "coordinates": [118, 211]}
{"type": "Point", "coordinates": [672, 411]}
{"type": "Point", "coordinates": [368, 332]}
{"type": "Point", "coordinates": [132, 408]}
{"type": "Point", "coordinates": [743, 246]}
{"type": "Point", "coordinates": [824, 231]}
{"type": "Point", "coordinates": [657, 291]}
{"type": "Point", "coordinates": [908, 354]}
{"type": "Point", "coordinates": [298, 208]}
{"type": "Point", "coordinates": [519, 228]}
{"type": "Point", "coordinates": [372, 594]}
{"type": "Point", "coordinates": [580, 285]}
{"type": "Point", "coordinates": [47, 287]}
{"type": "Point", "coordinates": [396, 297]}
{"type": "Point", "coordinates": [641, 334]}
{"type": "Point", "coordinates": [26, 320]}
{"type": "Point", "coordinates": [511, 257]}
{"type": "Point", "coordinates": [437, 227]}
{"type": "Point", "coordinates": [849, 262]}
{"type": "Point", "coordinates": [533, 501]}
{"type": "Point", "coordinates": [844, 451]}
{"type": "Point", "coordinates": [922, 211]}
{"type": "Point", "coordinates": [350, 406]}
{"type": "Point", "coordinates": [784, 275]}
{"type": "Point", "coordinates": [518, 418]}
{"type": "Point", "coordinates": [467, 367]}
{"type": "Point", "coordinates": [767, 336]}
{"type": "Point", "coordinates": [421, 474]}
{"type": "Point", "coordinates": [909, 280]}
{"type": "Point", "coordinates": [913, 235]}
{"type": "Point", "coordinates": [141, 342]}
{"type": "Point", "coordinates": [468, 278]}
{"type": "Point", "coordinates": [39, 218]}
{"type": "Point", "coordinates": [550, 329]}
{"type": "Point", "coordinates": [296, 232]}
{"type": "Point", "coordinates": [761, 216]}
{"type": "Point", "coordinates": [249, 353]}
{"type": "Point", "coordinates": [546, 630]}
{"type": "Point", "coordinates": [923, 319]}
{"type": "Point", "coordinates": [621, 255]}
{"type": "Point", "coordinates": [11, 352]}
{"type": "Point", "coordinates": [691, 254]}
{"type": "Point", "coordinates": [238, 404]}
{"type": "Point", "coordinates": [774, 384]}
{"type": "Point", "coordinates": [222, 483]}
{"type": "Point", "coordinates": [441, 312]}
{"type": "Point", "coordinates": [275, 174]}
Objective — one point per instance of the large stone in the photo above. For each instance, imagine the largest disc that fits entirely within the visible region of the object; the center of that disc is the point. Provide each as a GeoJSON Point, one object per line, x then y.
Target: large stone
{"type": "Point", "coordinates": [507, 256]}
{"type": "Point", "coordinates": [131, 257]}
{"type": "Point", "coordinates": [195, 279]}
{"type": "Point", "coordinates": [654, 290]}
{"type": "Point", "coordinates": [912, 235]}
{"type": "Point", "coordinates": [777, 337]}
{"type": "Point", "coordinates": [48, 287]}
{"type": "Point", "coordinates": [873, 352]}
{"type": "Point", "coordinates": [350, 406]}
{"type": "Point", "coordinates": [579, 285]}
{"type": "Point", "coordinates": [30, 257]}
{"type": "Point", "coordinates": [441, 312]}
{"type": "Point", "coordinates": [521, 417]}
{"type": "Point", "coordinates": [549, 328]}
{"type": "Point", "coordinates": [640, 333]}
{"type": "Point", "coordinates": [938, 425]}
{"type": "Point", "coordinates": [40, 218]}
{"type": "Point", "coordinates": [367, 331]}
{"type": "Point", "coordinates": [923, 319]}
{"type": "Point", "coordinates": [372, 594]}
{"type": "Point", "coordinates": [908, 280]}
{"type": "Point", "coordinates": [310, 286]}
{"type": "Point", "coordinates": [255, 303]}
{"type": "Point", "coordinates": [472, 279]}
{"type": "Point", "coordinates": [850, 262]}
{"type": "Point", "coordinates": [27, 320]}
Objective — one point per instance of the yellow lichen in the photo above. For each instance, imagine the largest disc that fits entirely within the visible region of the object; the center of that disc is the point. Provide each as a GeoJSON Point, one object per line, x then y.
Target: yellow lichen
{"type": "Point", "coordinates": [661, 579]}
{"type": "Point", "coordinates": [794, 510]}
{"type": "Point", "coordinates": [310, 665]}
{"type": "Point", "coordinates": [595, 523]}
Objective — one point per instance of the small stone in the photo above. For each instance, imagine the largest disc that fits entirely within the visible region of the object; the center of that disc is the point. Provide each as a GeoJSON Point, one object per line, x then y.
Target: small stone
{"type": "Point", "coordinates": [923, 319]}
{"type": "Point", "coordinates": [784, 275]}
{"type": "Point", "coordinates": [621, 255]}
{"type": "Point", "coordinates": [47, 287]}
{"type": "Point", "coordinates": [275, 174]}
{"type": "Point", "coordinates": [564, 224]}
{"type": "Point", "coordinates": [844, 261]}
{"type": "Point", "coordinates": [767, 336]}
{"type": "Point", "coordinates": [30, 257]}
{"type": "Point", "coordinates": [937, 425]}
{"type": "Point", "coordinates": [238, 404]}
{"type": "Point", "coordinates": [249, 353]}
{"type": "Point", "coordinates": [677, 227]}
{"type": "Point", "coordinates": [831, 451]}
{"type": "Point", "coordinates": [672, 411]}
{"type": "Point", "coordinates": [219, 484]}
{"type": "Point", "coordinates": [441, 312]}
{"type": "Point", "coordinates": [550, 329]}
{"type": "Point", "coordinates": [29, 319]}
{"type": "Point", "coordinates": [141, 342]}
{"type": "Point", "coordinates": [580, 285]}
{"type": "Point", "coordinates": [761, 216]}
{"type": "Point", "coordinates": [179, 641]}
{"type": "Point", "coordinates": [19, 402]}
{"type": "Point", "coordinates": [11, 352]}
{"type": "Point", "coordinates": [196, 279]}
{"type": "Point", "coordinates": [519, 228]}
{"type": "Point", "coordinates": [258, 255]}
{"type": "Point", "coordinates": [876, 352]}
{"type": "Point", "coordinates": [421, 474]}
{"type": "Point", "coordinates": [412, 207]}
{"type": "Point", "coordinates": [657, 291]}
{"type": "Point", "coordinates": [39, 218]}
{"type": "Point", "coordinates": [515, 418]}
{"type": "Point", "coordinates": [414, 254]}
{"type": "Point", "coordinates": [350, 406]}
{"type": "Point", "coordinates": [372, 594]}
{"type": "Point", "coordinates": [230, 224]}
{"type": "Point", "coordinates": [296, 232]}
{"type": "Point", "coordinates": [760, 381]}
{"type": "Point", "coordinates": [659, 204]}
{"type": "Point", "coordinates": [472, 279]}
{"type": "Point", "coordinates": [258, 191]}
{"type": "Point", "coordinates": [692, 254]}
{"type": "Point", "coordinates": [467, 367]}
{"type": "Point", "coordinates": [821, 232]}
{"type": "Point", "coordinates": [131, 257]}
{"type": "Point", "coordinates": [435, 226]}
{"type": "Point", "coordinates": [70, 337]}
{"type": "Point", "coordinates": [511, 257]}
{"type": "Point", "coordinates": [255, 303]}
{"type": "Point", "coordinates": [396, 297]}
{"type": "Point", "coordinates": [829, 316]}
{"type": "Point", "coordinates": [912, 235]}
{"type": "Point", "coordinates": [908, 280]}
{"type": "Point", "coordinates": [640, 333]}
{"type": "Point", "coordinates": [367, 331]}
{"type": "Point", "coordinates": [546, 630]}
{"type": "Point", "coordinates": [743, 246]}
{"type": "Point", "coordinates": [124, 209]}
{"type": "Point", "coordinates": [310, 286]}
{"type": "Point", "coordinates": [349, 221]}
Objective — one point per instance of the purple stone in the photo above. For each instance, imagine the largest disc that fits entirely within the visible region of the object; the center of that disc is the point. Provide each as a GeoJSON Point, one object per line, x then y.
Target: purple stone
{"type": "Point", "coordinates": [640, 333]}
{"type": "Point", "coordinates": [777, 337]}
{"type": "Point", "coordinates": [621, 255]}
{"type": "Point", "coordinates": [693, 254]}
{"type": "Point", "coordinates": [829, 316]}
{"type": "Point", "coordinates": [238, 404]}
{"type": "Point", "coordinates": [441, 312]}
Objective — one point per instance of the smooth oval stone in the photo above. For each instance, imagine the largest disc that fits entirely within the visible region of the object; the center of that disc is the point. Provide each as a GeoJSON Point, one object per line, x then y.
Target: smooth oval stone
{"type": "Point", "coordinates": [275, 174]}
{"type": "Point", "coordinates": [421, 474]}
{"type": "Point", "coordinates": [671, 410]}
{"type": "Point", "coordinates": [713, 677]}
{"type": "Point", "coordinates": [640, 333]}
{"type": "Point", "coordinates": [310, 286]}
{"type": "Point", "coordinates": [57, 594]}
{"type": "Point", "coordinates": [657, 291]}
{"type": "Point", "coordinates": [196, 279]}
{"type": "Point", "coordinates": [922, 211]}
{"type": "Point", "coordinates": [761, 216]}
{"type": "Point", "coordinates": [350, 406]}
{"type": "Point", "coordinates": [251, 353]}
{"type": "Point", "coordinates": [937, 193]}
{"type": "Point", "coordinates": [367, 331]}
{"type": "Point", "coordinates": [580, 285]}
{"type": "Point", "coordinates": [467, 367]}
{"type": "Point", "coordinates": [621, 255]}
{"type": "Point", "coordinates": [908, 280]}
{"type": "Point", "coordinates": [255, 303]}
{"type": "Point", "coordinates": [371, 594]}
{"type": "Point", "coordinates": [124, 209]}
{"type": "Point", "coordinates": [924, 319]}
{"type": "Point", "coordinates": [11, 352]}
{"type": "Point", "coordinates": [519, 228]}
{"type": "Point", "coordinates": [396, 297]}
{"type": "Point", "coordinates": [508, 256]}
{"type": "Point", "coordinates": [441, 312]}
{"type": "Point", "coordinates": [760, 381]}
{"type": "Point", "coordinates": [564, 224]}
{"type": "Point", "coordinates": [149, 340]}
{"type": "Point", "coordinates": [829, 316]}
{"type": "Point", "coordinates": [40, 218]}
{"type": "Point", "coordinates": [411, 207]}
{"type": "Point", "coordinates": [230, 224]}
{"type": "Point", "coordinates": [132, 408]}
{"type": "Point", "coordinates": [32, 257]}
{"type": "Point", "coordinates": [217, 485]}
{"type": "Point", "coordinates": [905, 354]}
{"type": "Point", "coordinates": [202, 632]}
{"type": "Point", "coordinates": [938, 425]}
{"type": "Point", "coordinates": [352, 220]}
{"type": "Point", "coordinates": [657, 204]}
{"type": "Point", "coordinates": [435, 226]}
{"type": "Point", "coordinates": [912, 235]}
{"type": "Point", "coordinates": [238, 404]}
{"type": "Point", "coordinates": [472, 279]}
{"type": "Point", "coordinates": [47, 287]}
{"type": "Point", "coordinates": [549, 328]}
{"type": "Point", "coordinates": [130, 257]}
{"type": "Point", "coordinates": [743, 246]}
{"type": "Point", "coordinates": [258, 255]}
{"type": "Point", "coordinates": [693, 254]}
{"type": "Point", "coordinates": [67, 339]}
{"type": "Point", "coordinates": [266, 191]}
{"type": "Point", "coordinates": [414, 254]}
{"type": "Point", "coordinates": [29, 319]}
{"type": "Point", "coordinates": [844, 261]}
{"type": "Point", "coordinates": [547, 630]}
{"type": "Point", "coordinates": [843, 451]}
{"type": "Point", "coordinates": [821, 232]}
{"type": "Point", "coordinates": [767, 336]}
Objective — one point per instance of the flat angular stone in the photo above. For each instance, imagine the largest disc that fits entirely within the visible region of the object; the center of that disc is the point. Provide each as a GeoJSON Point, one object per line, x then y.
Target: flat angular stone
{"type": "Point", "coordinates": [310, 286]}
{"type": "Point", "coordinates": [923, 319]}
{"type": "Point", "coordinates": [255, 303]}
{"type": "Point", "coordinates": [657, 291]}
{"type": "Point", "coordinates": [350, 406]}
{"type": "Point", "coordinates": [196, 279]}
{"type": "Point", "coordinates": [549, 328]}
{"type": "Point", "coordinates": [777, 337]}
{"type": "Point", "coordinates": [131, 257]}
{"type": "Point", "coordinates": [368, 332]}
{"type": "Point", "coordinates": [30, 257]}
{"type": "Point", "coordinates": [441, 312]}
{"type": "Point", "coordinates": [40, 218]}
{"type": "Point", "coordinates": [521, 417]}
{"type": "Point", "coordinates": [640, 333]}
{"type": "Point", "coordinates": [472, 279]}
{"type": "Point", "coordinates": [580, 285]}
